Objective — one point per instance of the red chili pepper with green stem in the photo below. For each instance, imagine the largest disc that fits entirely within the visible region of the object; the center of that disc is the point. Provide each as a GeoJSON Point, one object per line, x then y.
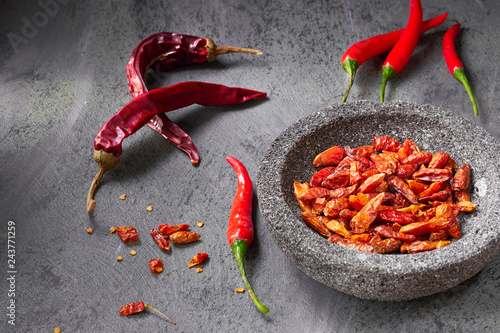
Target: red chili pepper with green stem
{"type": "Point", "coordinates": [360, 52]}
{"type": "Point", "coordinates": [165, 51]}
{"type": "Point", "coordinates": [134, 115]}
{"type": "Point", "coordinates": [240, 226]}
{"type": "Point", "coordinates": [401, 52]}
{"type": "Point", "coordinates": [454, 63]}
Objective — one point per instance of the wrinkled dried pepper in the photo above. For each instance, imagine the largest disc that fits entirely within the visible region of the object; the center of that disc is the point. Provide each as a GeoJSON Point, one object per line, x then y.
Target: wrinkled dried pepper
{"type": "Point", "coordinates": [164, 51]}
{"type": "Point", "coordinates": [134, 115]}
{"type": "Point", "coordinates": [137, 307]}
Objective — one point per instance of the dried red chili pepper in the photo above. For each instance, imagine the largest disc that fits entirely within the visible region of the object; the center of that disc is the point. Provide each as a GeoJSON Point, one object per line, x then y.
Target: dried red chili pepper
{"type": "Point", "coordinates": [165, 51]}
{"type": "Point", "coordinates": [198, 259]}
{"type": "Point", "coordinates": [240, 225]}
{"type": "Point", "coordinates": [331, 156]}
{"type": "Point", "coordinates": [461, 179]}
{"type": "Point", "coordinates": [137, 307]}
{"type": "Point", "coordinates": [454, 63]}
{"type": "Point", "coordinates": [156, 266]}
{"type": "Point", "coordinates": [360, 52]}
{"type": "Point", "coordinates": [127, 234]}
{"type": "Point", "coordinates": [402, 187]}
{"type": "Point", "coordinates": [160, 239]}
{"type": "Point", "coordinates": [141, 109]}
{"type": "Point", "coordinates": [366, 215]}
{"type": "Point", "coordinates": [167, 230]}
{"type": "Point", "coordinates": [321, 175]}
{"type": "Point", "coordinates": [433, 175]}
{"type": "Point", "coordinates": [298, 190]}
{"type": "Point", "coordinates": [184, 237]}
{"type": "Point", "coordinates": [438, 161]}
{"type": "Point", "coordinates": [401, 52]}
{"type": "Point", "coordinates": [382, 143]}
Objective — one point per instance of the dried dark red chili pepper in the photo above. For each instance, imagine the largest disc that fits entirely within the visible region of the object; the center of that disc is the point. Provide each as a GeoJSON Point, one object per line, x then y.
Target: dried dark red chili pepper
{"type": "Point", "coordinates": [358, 53]}
{"type": "Point", "coordinates": [240, 225]}
{"type": "Point", "coordinates": [137, 307]}
{"type": "Point", "coordinates": [141, 109]}
{"type": "Point", "coordinates": [402, 51]}
{"type": "Point", "coordinates": [164, 51]}
{"type": "Point", "coordinates": [454, 63]}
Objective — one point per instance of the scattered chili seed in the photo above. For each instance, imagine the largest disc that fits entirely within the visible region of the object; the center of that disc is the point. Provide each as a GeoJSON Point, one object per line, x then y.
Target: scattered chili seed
{"type": "Point", "coordinates": [112, 230]}
{"type": "Point", "coordinates": [409, 212]}
{"type": "Point", "coordinates": [123, 196]}
{"type": "Point", "coordinates": [200, 224]}
{"type": "Point", "coordinates": [90, 230]}
{"type": "Point", "coordinates": [57, 330]}
{"type": "Point", "coordinates": [240, 290]}
{"type": "Point", "coordinates": [119, 258]}
{"type": "Point", "coordinates": [199, 270]}
{"type": "Point", "coordinates": [149, 208]}
{"type": "Point", "coordinates": [133, 252]}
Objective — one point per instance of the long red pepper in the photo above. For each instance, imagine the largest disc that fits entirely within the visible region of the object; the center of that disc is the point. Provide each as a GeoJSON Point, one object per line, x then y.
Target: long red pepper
{"type": "Point", "coordinates": [134, 115]}
{"type": "Point", "coordinates": [401, 52]}
{"type": "Point", "coordinates": [240, 226]}
{"type": "Point", "coordinates": [358, 53]}
{"type": "Point", "coordinates": [453, 62]}
{"type": "Point", "coordinates": [165, 51]}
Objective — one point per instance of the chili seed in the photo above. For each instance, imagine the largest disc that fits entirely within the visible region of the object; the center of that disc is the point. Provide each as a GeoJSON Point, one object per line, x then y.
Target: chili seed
{"type": "Point", "coordinates": [199, 270]}
{"type": "Point", "coordinates": [119, 258]}
{"type": "Point", "coordinates": [200, 224]}
{"type": "Point", "coordinates": [159, 269]}
{"type": "Point", "coordinates": [123, 196]}
{"type": "Point", "coordinates": [240, 290]}
{"type": "Point", "coordinates": [90, 230]}
{"type": "Point", "coordinates": [149, 208]}
{"type": "Point", "coordinates": [112, 230]}
{"type": "Point", "coordinates": [57, 330]}
{"type": "Point", "coordinates": [133, 252]}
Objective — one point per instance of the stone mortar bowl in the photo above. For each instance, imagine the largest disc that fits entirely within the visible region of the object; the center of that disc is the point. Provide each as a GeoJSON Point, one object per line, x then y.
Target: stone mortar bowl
{"type": "Point", "coordinates": [383, 277]}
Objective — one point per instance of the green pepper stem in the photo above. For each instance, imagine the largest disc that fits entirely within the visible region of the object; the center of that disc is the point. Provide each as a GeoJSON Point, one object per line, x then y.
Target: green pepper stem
{"type": "Point", "coordinates": [106, 161]}
{"type": "Point", "coordinates": [388, 72]}
{"type": "Point", "coordinates": [459, 74]}
{"type": "Point", "coordinates": [350, 66]}
{"type": "Point", "coordinates": [240, 248]}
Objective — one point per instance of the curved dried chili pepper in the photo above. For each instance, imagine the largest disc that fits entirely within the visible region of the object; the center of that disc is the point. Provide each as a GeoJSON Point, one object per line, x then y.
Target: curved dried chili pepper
{"type": "Point", "coordinates": [358, 53]}
{"type": "Point", "coordinates": [454, 63]}
{"type": "Point", "coordinates": [240, 225]}
{"type": "Point", "coordinates": [164, 51]}
{"type": "Point", "coordinates": [402, 51]}
{"type": "Point", "coordinates": [141, 109]}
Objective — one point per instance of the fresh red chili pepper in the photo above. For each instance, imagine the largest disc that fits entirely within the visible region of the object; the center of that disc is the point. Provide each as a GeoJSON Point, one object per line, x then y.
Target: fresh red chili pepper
{"type": "Point", "coordinates": [454, 63]}
{"type": "Point", "coordinates": [402, 51]}
{"type": "Point", "coordinates": [358, 53]}
{"type": "Point", "coordinates": [240, 225]}
{"type": "Point", "coordinates": [137, 307]}
{"type": "Point", "coordinates": [141, 109]}
{"type": "Point", "coordinates": [164, 51]}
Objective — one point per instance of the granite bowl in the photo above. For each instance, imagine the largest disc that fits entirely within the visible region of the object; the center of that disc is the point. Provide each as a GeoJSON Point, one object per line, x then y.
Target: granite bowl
{"type": "Point", "coordinates": [387, 277]}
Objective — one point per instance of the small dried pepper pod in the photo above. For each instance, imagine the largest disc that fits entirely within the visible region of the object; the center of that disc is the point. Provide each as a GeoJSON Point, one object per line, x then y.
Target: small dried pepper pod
{"type": "Point", "coordinates": [156, 266]}
{"type": "Point", "coordinates": [184, 237]}
{"type": "Point", "coordinates": [137, 307]}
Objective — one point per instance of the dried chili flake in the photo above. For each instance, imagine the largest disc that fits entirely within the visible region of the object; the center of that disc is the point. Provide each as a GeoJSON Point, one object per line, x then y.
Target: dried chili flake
{"type": "Point", "coordinates": [156, 266]}
{"type": "Point", "coordinates": [127, 234]}
{"type": "Point", "coordinates": [198, 259]}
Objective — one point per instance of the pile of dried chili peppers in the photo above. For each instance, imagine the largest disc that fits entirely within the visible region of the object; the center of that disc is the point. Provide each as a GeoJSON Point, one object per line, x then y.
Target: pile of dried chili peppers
{"type": "Point", "coordinates": [400, 199]}
{"type": "Point", "coordinates": [163, 51]}
{"type": "Point", "coordinates": [400, 44]}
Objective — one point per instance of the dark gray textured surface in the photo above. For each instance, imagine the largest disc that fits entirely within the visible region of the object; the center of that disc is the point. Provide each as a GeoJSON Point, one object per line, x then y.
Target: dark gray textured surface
{"type": "Point", "coordinates": [392, 277]}
{"type": "Point", "coordinates": [68, 77]}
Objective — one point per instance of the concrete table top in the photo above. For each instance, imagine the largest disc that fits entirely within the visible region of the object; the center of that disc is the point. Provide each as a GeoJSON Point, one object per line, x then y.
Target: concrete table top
{"type": "Point", "coordinates": [62, 76]}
